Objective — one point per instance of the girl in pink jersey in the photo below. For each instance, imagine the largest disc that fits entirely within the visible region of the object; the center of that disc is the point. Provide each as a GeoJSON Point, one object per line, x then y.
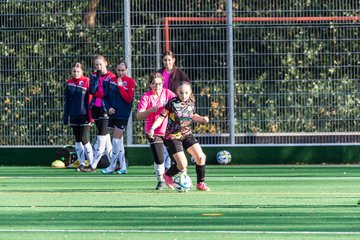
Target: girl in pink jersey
{"type": "Point", "coordinates": [150, 106]}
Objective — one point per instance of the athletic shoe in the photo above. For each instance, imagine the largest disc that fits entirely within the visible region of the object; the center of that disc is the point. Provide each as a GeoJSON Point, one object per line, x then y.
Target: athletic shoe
{"type": "Point", "coordinates": [169, 181]}
{"type": "Point", "coordinates": [108, 170]}
{"type": "Point", "coordinates": [201, 186]}
{"type": "Point", "coordinates": [80, 168]}
{"type": "Point", "coordinates": [122, 172]}
{"type": "Point", "coordinates": [88, 169]}
{"type": "Point", "coordinates": [160, 186]}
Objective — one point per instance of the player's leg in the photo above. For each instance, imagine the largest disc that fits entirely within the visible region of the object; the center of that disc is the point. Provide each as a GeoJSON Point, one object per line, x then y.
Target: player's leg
{"type": "Point", "coordinates": [176, 150]}
{"type": "Point", "coordinates": [116, 149]}
{"type": "Point", "coordinates": [99, 148]}
{"type": "Point", "coordinates": [79, 148]}
{"type": "Point", "coordinates": [157, 149]}
{"type": "Point", "coordinates": [195, 150]}
{"type": "Point", "coordinates": [84, 134]}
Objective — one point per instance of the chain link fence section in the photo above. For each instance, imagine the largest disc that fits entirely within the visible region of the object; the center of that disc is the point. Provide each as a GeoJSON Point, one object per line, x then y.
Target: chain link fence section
{"type": "Point", "coordinates": [296, 65]}
{"type": "Point", "coordinates": [40, 43]}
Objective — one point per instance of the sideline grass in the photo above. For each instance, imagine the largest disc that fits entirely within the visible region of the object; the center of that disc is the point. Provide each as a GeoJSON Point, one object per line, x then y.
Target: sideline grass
{"type": "Point", "coordinates": [245, 202]}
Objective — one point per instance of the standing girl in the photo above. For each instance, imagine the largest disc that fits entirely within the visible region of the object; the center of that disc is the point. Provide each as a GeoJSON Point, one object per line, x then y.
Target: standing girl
{"type": "Point", "coordinates": [98, 79]}
{"type": "Point", "coordinates": [118, 99]}
{"type": "Point", "coordinates": [150, 107]}
{"type": "Point", "coordinates": [181, 112]}
{"type": "Point", "coordinates": [77, 99]}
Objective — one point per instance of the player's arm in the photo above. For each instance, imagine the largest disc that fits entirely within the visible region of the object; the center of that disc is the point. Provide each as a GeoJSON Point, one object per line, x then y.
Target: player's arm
{"type": "Point", "coordinates": [94, 84]}
{"type": "Point", "coordinates": [158, 122]}
{"type": "Point", "coordinates": [200, 119]}
{"type": "Point", "coordinates": [128, 93]}
{"type": "Point", "coordinates": [142, 114]}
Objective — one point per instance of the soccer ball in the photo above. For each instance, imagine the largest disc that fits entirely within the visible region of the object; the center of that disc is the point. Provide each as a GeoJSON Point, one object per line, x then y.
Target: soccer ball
{"type": "Point", "coordinates": [182, 182]}
{"type": "Point", "coordinates": [58, 164]}
{"type": "Point", "coordinates": [223, 157]}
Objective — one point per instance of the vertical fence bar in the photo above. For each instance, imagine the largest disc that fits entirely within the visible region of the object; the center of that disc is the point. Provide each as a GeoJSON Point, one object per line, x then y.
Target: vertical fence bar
{"type": "Point", "coordinates": [230, 70]}
{"type": "Point", "coordinates": [127, 43]}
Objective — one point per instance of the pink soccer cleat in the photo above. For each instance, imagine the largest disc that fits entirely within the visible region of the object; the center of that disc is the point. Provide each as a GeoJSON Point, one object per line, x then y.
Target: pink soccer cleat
{"type": "Point", "coordinates": [201, 186]}
{"type": "Point", "coordinates": [169, 181]}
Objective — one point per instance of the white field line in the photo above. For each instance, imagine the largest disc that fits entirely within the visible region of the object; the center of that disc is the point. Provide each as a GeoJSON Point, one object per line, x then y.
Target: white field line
{"type": "Point", "coordinates": [174, 231]}
{"type": "Point", "coordinates": [223, 178]}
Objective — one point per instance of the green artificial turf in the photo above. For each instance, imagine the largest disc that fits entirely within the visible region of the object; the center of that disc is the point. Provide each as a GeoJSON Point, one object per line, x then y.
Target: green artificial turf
{"type": "Point", "coordinates": [245, 202]}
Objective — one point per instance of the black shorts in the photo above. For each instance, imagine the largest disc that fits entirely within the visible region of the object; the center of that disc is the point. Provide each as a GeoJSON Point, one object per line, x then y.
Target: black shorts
{"type": "Point", "coordinates": [178, 145]}
{"type": "Point", "coordinates": [117, 123]}
{"type": "Point", "coordinates": [98, 113]}
{"type": "Point", "coordinates": [79, 121]}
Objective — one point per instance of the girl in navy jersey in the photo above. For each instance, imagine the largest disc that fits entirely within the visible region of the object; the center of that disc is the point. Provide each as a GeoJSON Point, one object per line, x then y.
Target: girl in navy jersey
{"type": "Point", "coordinates": [77, 99]}
{"type": "Point", "coordinates": [98, 79]}
{"type": "Point", "coordinates": [181, 113]}
{"type": "Point", "coordinates": [118, 99]}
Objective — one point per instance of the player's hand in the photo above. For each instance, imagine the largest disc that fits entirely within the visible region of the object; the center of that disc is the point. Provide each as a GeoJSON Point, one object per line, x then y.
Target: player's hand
{"type": "Point", "coordinates": [205, 119]}
{"type": "Point", "coordinates": [151, 133]}
{"type": "Point", "coordinates": [111, 111]}
{"type": "Point", "coordinates": [119, 81]}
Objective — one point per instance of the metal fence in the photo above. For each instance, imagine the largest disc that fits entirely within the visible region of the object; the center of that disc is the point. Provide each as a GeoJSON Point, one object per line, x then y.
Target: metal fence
{"type": "Point", "coordinates": [294, 77]}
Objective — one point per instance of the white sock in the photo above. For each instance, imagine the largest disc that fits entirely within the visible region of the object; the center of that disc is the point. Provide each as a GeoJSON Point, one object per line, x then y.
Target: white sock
{"type": "Point", "coordinates": [89, 153]}
{"type": "Point", "coordinates": [79, 148]}
{"type": "Point", "coordinates": [108, 147]}
{"type": "Point", "coordinates": [159, 171]}
{"type": "Point", "coordinates": [115, 152]}
{"type": "Point", "coordinates": [99, 150]}
{"type": "Point", "coordinates": [122, 154]}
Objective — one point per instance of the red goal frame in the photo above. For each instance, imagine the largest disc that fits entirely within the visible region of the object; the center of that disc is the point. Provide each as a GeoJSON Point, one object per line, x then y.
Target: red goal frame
{"type": "Point", "coordinates": [168, 20]}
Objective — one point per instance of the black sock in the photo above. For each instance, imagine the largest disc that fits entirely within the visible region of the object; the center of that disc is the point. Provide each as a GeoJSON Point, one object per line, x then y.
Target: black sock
{"type": "Point", "coordinates": [200, 173]}
{"type": "Point", "coordinates": [173, 170]}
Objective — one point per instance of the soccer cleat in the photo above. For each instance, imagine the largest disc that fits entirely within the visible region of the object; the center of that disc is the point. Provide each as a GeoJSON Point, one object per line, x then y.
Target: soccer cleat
{"type": "Point", "coordinates": [201, 186]}
{"type": "Point", "coordinates": [169, 181]}
{"type": "Point", "coordinates": [87, 169]}
{"type": "Point", "coordinates": [122, 172]}
{"type": "Point", "coordinates": [80, 168]}
{"type": "Point", "coordinates": [108, 170]}
{"type": "Point", "coordinates": [160, 186]}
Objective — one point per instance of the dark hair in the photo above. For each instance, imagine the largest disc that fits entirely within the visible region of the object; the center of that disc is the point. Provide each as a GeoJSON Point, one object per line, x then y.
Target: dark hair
{"type": "Point", "coordinates": [154, 75]}
{"type": "Point", "coordinates": [183, 83]}
{"type": "Point", "coordinates": [168, 53]}
{"type": "Point", "coordinates": [78, 65]}
{"type": "Point", "coordinates": [121, 63]}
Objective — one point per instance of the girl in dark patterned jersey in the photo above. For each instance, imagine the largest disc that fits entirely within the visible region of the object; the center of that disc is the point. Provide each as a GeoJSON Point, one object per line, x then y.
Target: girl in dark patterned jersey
{"type": "Point", "coordinates": [77, 99]}
{"type": "Point", "coordinates": [181, 112]}
{"type": "Point", "coordinates": [118, 99]}
{"type": "Point", "coordinates": [98, 79]}
{"type": "Point", "coordinates": [173, 76]}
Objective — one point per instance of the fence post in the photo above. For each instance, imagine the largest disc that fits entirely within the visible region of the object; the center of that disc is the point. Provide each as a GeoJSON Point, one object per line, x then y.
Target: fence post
{"type": "Point", "coordinates": [230, 70]}
{"type": "Point", "coordinates": [127, 48]}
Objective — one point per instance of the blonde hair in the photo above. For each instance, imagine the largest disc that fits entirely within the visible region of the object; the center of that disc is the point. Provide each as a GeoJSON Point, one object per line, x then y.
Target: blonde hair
{"type": "Point", "coordinates": [101, 57]}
